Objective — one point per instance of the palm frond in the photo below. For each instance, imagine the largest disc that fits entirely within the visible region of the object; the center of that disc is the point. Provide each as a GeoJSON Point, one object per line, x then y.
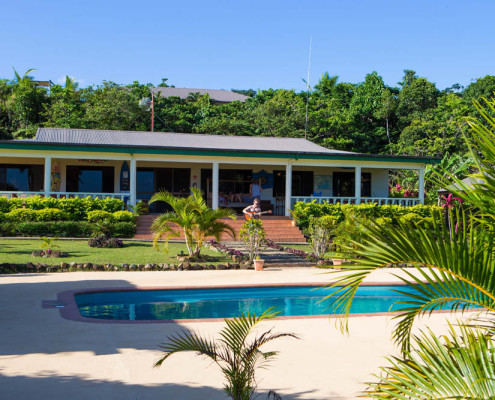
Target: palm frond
{"type": "Point", "coordinates": [187, 341]}
{"type": "Point", "coordinates": [457, 366]}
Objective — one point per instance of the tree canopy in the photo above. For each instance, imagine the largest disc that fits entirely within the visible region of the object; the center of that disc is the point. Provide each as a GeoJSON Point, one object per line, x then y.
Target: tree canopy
{"type": "Point", "coordinates": [414, 117]}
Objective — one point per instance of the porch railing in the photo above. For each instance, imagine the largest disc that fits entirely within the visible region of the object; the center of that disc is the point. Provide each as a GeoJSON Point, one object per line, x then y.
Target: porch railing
{"type": "Point", "coordinates": [61, 195]}
{"type": "Point", "coordinates": [353, 200]}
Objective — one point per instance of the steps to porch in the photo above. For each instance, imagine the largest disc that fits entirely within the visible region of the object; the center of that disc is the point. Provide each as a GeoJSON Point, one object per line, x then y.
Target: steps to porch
{"type": "Point", "coordinates": [278, 229]}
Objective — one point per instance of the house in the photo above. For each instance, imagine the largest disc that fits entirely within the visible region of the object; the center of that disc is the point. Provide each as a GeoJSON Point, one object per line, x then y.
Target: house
{"type": "Point", "coordinates": [134, 165]}
{"type": "Point", "coordinates": [216, 96]}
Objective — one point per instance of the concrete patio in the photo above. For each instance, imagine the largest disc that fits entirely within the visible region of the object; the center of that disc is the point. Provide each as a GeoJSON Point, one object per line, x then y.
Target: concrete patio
{"type": "Point", "coordinates": [43, 356]}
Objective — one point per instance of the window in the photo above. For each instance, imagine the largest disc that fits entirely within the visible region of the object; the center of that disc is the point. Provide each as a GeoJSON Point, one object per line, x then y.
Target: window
{"type": "Point", "coordinates": [302, 183]}
{"type": "Point", "coordinates": [344, 184]}
{"type": "Point", "coordinates": [84, 179]}
{"type": "Point", "coordinates": [28, 178]}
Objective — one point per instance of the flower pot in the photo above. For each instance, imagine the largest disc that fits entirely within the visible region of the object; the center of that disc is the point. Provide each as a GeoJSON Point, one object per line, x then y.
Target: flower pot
{"type": "Point", "coordinates": [337, 262]}
{"type": "Point", "coordinates": [293, 222]}
{"type": "Point", "coordinates": [258, 265]}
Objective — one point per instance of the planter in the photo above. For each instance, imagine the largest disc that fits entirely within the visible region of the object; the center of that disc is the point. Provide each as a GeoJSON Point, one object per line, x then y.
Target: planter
{"type": "Point", "coordinates": [258, 265]}
{"type": "Point", "coordinates": [337, 262]}
{"type": "Point", "coordinates": [293, 222]}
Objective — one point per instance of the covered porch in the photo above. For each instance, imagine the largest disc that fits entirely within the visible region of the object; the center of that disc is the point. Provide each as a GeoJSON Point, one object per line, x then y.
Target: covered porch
{"type": "Point", "coordinates": [225, 183]}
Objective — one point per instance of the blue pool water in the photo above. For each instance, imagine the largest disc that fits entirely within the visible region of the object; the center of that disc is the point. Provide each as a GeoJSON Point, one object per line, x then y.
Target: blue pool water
{"type": "Point", "coordinates": [229, 302]}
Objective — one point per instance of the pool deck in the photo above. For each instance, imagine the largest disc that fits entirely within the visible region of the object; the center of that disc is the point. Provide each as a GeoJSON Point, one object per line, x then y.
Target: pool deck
{"type": "Point", "coordinates": [44, 356]}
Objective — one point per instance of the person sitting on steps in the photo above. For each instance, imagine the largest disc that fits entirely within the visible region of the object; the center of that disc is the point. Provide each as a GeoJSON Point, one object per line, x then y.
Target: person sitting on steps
{"type": "Point", "coordinates": [253, 208]}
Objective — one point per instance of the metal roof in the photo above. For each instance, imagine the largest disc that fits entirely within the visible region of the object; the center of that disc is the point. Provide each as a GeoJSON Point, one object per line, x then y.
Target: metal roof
{"type": "Point", "coordinates": [95, 137]}
{"type": "Point", "coordinates": [223, 96]}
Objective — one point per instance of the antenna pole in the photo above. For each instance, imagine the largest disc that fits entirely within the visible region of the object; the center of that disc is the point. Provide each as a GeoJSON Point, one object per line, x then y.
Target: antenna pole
{"type": "Point", "coordinates": [152, 111]}
{"type": "Point", "coordinates": [307, 88]}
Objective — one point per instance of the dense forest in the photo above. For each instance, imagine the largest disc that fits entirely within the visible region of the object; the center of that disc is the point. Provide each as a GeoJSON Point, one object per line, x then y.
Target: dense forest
{"type": "Point", "coordinates": [412, 118]}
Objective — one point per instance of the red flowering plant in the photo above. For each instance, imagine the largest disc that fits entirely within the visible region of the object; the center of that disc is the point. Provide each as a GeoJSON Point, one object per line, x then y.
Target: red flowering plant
{"type": "Point", "coordinates": [399, 191]}
{"type": "Point", "coordinates": [451, 201]}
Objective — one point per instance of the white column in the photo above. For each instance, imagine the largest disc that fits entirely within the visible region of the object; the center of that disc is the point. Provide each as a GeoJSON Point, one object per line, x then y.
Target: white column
{"type": "Point", "coordinates": [357, 181]}
{"type": "Point", "coordinates": [421, 185]}
{"type": "Point", "coordinates": [132, 181]}
{"type": "Point", "coordinates": [288, 188]}
{"type": "Point", "coordinates": [48, 176]}
{"type": "Point", "coordinates": [214, 188]}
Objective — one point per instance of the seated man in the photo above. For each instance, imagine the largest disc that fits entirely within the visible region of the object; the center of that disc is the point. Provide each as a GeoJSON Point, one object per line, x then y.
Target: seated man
{"type": "Point", "coordinates": [254, 210]}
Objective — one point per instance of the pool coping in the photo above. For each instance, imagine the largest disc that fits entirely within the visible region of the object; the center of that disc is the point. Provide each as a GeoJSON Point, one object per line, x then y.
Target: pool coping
{"type": "Point", "coordinates": [67, 306]}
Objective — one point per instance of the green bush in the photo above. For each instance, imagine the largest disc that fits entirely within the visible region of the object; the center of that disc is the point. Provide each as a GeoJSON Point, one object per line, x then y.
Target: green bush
{"type": "Point", "coordinates": [21, 215]}
{"type": "Point", "coordinates": [124, 229]}
{"type": "Point", "coordinates": [99, 215]}
{"type": "Point", "coordinates": [62, 229]}
{"type": "Point", "coordinates": [124, 216]}
{"type": "Point", "coordinates": [26, 215]}
{"type": "Point", "coordinates": [59, 229]}
{"type": "Point", "coordinates": [76, 208]}
{"type": "Point", "coordinates": [3, 218]}
{"type": "Point", "coordinates": [303, 212]}
{"type": "Point", "coordinates": [50, 214]}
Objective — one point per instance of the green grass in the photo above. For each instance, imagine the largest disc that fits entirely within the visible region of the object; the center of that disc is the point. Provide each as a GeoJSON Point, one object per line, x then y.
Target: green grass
{"type": "Point", "coordinates": [133, 252]}
{"type": "Point", "coordinates": [307, 248]}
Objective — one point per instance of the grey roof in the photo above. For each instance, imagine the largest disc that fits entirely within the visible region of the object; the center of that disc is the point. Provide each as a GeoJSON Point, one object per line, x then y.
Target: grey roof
{"type": "Point", "coordinates": [191, 141]}
{"type": "Point", "coordinates": [466, 182]}
{"type": "Point", "coordinates": [223, 96]}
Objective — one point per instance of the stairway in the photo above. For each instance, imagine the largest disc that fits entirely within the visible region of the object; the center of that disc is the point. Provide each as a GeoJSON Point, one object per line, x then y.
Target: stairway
{"type": "Point", "coordinates": [276, 258]}
{"type": "Point", "coordinates": [278, 229]}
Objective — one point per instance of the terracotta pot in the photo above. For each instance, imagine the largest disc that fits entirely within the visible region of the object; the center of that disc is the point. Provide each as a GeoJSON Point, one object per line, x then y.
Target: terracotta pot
{"type": "Point", "coordinates": [258, 265]}
{"type": "Point", "coordinates": [337, 263]}
{"type": "Point", "coordinates": [293, 222]}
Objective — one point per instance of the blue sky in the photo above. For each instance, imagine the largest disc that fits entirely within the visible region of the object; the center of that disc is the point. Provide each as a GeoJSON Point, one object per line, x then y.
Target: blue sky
{"type": "Point", "coordinates": [247, 44]}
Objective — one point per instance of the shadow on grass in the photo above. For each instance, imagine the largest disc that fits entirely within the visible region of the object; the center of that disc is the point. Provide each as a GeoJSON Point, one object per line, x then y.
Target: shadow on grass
{"type": "Point", "coordinates": [62, 387]}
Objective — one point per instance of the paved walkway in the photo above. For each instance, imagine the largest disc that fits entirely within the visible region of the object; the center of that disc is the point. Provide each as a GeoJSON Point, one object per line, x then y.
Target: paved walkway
{"type": "Point", "coordinates": [43, 356]}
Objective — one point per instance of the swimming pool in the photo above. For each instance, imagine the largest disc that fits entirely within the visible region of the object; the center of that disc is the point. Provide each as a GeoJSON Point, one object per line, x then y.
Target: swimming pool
{"type": "Point", "coordinates": [177, 304]}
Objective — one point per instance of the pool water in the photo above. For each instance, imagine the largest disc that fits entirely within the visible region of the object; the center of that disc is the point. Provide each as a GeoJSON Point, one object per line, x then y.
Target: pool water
{"type": "Point", "coordinates": [230, 302]}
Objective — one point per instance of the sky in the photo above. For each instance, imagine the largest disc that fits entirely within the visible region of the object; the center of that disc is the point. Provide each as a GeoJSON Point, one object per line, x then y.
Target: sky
{"type": "Point", "coordinates": [247, 44]}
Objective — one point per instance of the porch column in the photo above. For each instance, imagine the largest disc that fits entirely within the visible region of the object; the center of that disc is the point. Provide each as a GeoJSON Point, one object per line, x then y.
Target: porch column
{"type": "Point", "coordinates": [214, 186]}
{"type": "Point", "coordinates": [132, 181]}
{"type": "Point", "coordinates": [288, 188]}
{"type": "Point", "coordinates": [421, 185]}
{"type": "Point", "coordinates": [357, 182]}
{"type": "Point", "coordinates": [48, 176]}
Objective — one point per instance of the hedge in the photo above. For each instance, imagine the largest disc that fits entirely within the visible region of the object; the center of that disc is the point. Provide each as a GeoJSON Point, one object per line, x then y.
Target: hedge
{"type": "Point", "coordinates": [62, 229]}
{"type": "Point", "coordinates": [302, 212]}
{"type": "Point", "coordinates": [119, 216]}
{"type": "Point", "coordinates": [76, 208]}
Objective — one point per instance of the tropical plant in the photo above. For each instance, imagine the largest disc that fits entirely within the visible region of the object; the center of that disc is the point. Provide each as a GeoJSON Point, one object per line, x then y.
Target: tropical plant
{"type": "Point", "coordinates": [454, 271]}
{"type": "Point", "coordinates": [195, 220]}
{"type": "Point", "coordinates": [253, 234]}
{"type": "Point", "coordinates": [48, 244]}
{"type": "Point", "coordinates": [320, 233]}
{"type": "Point", "coordinates": [237, 357]}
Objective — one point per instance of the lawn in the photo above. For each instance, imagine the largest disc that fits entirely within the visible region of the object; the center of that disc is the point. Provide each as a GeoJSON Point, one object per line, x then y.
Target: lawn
{"type": "Point", "coordinates": [133, 252]}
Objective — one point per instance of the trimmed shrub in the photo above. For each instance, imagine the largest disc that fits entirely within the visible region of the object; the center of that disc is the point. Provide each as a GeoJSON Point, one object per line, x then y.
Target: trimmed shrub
{"type": "Point", "coordinates": [303, 212]}
{"type": "Point", "coordinates": [21, 215]}
{"type": "Point", "coordinates": [3, 218]}
{"type": "Point", "coordinates": [99, 216]}
{"type": "Point", "coordinates": [59, 228]}
{"type": "Point", "coordinates": [51, 214]}
{"type": "Point", "coordinates": [124, 229]}
{"type": "Point", "coordinates": [124, 216]}
{"type": "Point", "coordinates": [76, 208]}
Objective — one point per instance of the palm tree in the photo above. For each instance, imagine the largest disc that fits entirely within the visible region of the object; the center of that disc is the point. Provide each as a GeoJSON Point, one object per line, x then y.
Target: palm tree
{"type": "Point", "coordinates": [237, 358]}
{"type": "Point", "coordinates": [194, 218]}
{"type": "Point", "coordinates": [19, 78]}
{"type": "Point", "coordinates": [459, 268]}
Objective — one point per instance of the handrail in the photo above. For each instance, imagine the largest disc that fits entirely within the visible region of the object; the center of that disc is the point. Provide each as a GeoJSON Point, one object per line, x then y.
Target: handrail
{"type": "Point", "coordinates": [406, 201]}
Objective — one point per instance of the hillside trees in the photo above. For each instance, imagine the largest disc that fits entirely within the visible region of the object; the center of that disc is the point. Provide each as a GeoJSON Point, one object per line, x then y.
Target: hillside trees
{"type": "Point", "coordinates": [413, 118]}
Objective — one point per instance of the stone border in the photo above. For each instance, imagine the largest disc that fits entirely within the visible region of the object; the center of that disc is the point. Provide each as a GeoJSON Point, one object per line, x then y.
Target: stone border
{"type": "Point", "coordinates": [69, 310]}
